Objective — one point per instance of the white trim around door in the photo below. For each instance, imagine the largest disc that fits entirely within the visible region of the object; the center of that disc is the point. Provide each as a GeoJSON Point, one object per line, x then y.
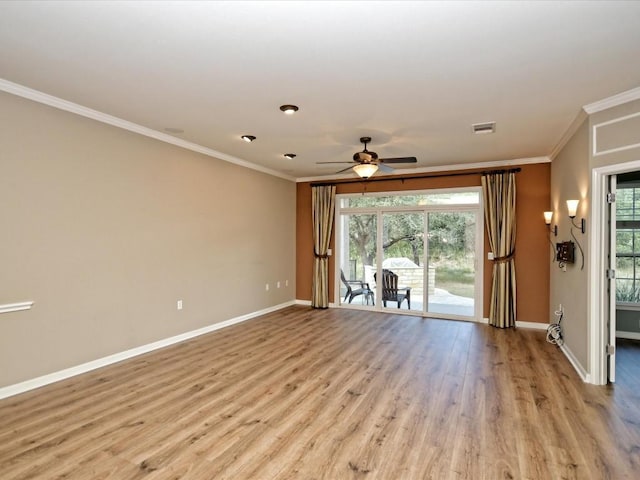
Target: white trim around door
{"type": "Point", "coordinates": [598, 306]}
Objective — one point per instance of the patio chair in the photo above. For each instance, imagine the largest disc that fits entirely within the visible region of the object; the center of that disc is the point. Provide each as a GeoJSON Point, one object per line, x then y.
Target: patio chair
{"type": "Point", "coordinates": [390, 290]}
{"type": "Point", "coordinates": [354, 292]}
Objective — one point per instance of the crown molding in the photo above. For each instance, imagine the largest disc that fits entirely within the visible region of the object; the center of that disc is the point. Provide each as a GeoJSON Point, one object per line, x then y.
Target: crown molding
{"type": "Point", "coordinates": [440, 168]}
{"type": "Point", "coordinates": [613, 101]}
{"type": "Point", "coordinates": [569, 133]}
{"type": "Point", "coordinates": [50, 100]}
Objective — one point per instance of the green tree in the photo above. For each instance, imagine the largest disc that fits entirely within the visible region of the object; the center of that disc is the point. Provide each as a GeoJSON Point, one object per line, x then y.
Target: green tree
{"type": "Point", "coordinates": [451, 236]}
{"type": "Point", "coordinates": [362, 238]}
{"type": "Point", "coordinates": [403, 236]}
{"type": "Point", "coordinates": [450, 233]}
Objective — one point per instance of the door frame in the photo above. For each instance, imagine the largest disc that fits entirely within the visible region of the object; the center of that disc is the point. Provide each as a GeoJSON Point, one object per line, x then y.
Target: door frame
{"type": "Point", "coordinates": [598, 264]}
{"type": "Point", "coordinates": [612, 250]}
{"type": "Point", "coordinates": [478, 283]}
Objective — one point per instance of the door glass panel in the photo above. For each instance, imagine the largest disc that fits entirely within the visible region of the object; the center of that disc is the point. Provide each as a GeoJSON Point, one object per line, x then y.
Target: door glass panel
{"type": "Point", "coordinates": [624, 241]}
{"type": "Point", "coordinates": [402, 282]}
{"type": "Point", "coordinates": [451, 263]}
{"type": "Point", "coordinates": [627, 243]}
{"type": "Point", "coordinates": [358, 259]}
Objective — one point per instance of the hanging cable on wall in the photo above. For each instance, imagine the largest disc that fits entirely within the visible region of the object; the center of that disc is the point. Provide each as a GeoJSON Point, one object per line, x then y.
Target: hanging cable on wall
{"type": "Point", "coordinates": [579, 247]}
{"type": "Point", "coordinates": [554, 332]}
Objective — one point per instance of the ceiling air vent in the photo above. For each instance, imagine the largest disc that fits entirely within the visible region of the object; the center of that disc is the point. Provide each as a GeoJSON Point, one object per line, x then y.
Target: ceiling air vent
{"type": "Point", "coordinates": [486, 127]}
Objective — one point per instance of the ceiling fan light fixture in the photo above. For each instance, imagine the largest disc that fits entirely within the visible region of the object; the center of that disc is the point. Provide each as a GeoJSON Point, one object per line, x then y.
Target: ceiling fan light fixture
{"type": "Point", "coordinates": [289, 109]}
{"type": "Point", "coordinates": [365, 170]}
{"type": "Point", "coordinates": [248, 138]}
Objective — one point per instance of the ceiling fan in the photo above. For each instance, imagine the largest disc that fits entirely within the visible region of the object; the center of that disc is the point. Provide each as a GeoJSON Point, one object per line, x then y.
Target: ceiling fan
{"type": "Point", "coordinates": [367, 163]}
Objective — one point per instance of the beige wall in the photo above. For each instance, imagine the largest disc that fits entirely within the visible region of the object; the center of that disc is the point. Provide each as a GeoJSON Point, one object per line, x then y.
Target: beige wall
{"type": "Point", "coordinates": [570, 180]}
{"type": "Point", "coordinates": [106, 229]}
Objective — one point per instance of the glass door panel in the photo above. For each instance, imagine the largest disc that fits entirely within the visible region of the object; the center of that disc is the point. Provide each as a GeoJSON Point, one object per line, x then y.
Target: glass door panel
{"type": "Point", "coordinates": [402, 282]}
{"type": "Point", "coordinates": [357, 258]}
{"type": "Point", "coordinates": [451, 263]}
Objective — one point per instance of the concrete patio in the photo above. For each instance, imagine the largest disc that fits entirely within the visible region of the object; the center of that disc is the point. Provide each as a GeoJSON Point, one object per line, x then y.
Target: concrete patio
{"type": "Point", "coordinates": [441, 301]}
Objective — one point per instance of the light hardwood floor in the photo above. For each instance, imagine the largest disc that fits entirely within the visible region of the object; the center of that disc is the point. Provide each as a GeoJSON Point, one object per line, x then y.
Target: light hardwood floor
{"type": "Point", "coordinates": [329, 394]}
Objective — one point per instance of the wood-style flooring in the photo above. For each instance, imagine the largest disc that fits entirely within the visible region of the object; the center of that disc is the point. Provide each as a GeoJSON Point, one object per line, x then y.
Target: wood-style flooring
{"type": "Point", "coordinates": [329, 394]}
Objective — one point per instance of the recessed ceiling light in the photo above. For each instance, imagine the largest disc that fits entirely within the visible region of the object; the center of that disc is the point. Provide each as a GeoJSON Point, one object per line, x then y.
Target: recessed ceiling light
{"type": "Point", "coordinates": [290, 156]}
{"type": "Point", "coordinates": [486, 127]}
{"type": "Point", "coordinates": [248, 138]}
{"type": "Point", "coordinates": [289, 109]}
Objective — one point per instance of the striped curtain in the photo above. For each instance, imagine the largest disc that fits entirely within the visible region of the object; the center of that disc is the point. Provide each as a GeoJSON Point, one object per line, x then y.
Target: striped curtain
{"type": "Point", "coordinates": [499, 193]}
{"type": "Point", "coordinates": [323, 202]}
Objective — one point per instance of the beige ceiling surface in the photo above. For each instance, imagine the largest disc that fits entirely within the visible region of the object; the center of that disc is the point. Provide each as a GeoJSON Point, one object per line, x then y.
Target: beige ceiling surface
{"type": "Point", "coordinates": [412, 75]}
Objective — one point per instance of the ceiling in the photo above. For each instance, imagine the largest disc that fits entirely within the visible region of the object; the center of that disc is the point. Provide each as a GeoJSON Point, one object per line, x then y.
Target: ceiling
{"type": "Point", "coordinates": [413, 76]}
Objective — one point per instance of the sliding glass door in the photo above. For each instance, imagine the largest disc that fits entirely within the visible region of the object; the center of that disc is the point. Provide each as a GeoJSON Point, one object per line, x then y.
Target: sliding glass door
{"type": "Point", "coordinates": [411, 252]}
{"type": "Point", "coordinates": [401, 282]}
{"type": "Point", "coordinates": [451, 263]}
{"type": "Point", "coordinates": [358, 254]}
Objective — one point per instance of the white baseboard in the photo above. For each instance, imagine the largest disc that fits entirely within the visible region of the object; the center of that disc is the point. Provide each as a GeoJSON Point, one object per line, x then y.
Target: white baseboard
{"type": "Point", "coordinates": [15, 307]}
{"type": "Point", "coordinates": [534, 325]}
{"type": "Point", "coordinates": [576, 364]}
{"type": "Point", "coordinates": [628, 335]}
{"type": "Point", "coordinates": [34, 383]}
{"type": "Point", "coordinates": [519, 324]}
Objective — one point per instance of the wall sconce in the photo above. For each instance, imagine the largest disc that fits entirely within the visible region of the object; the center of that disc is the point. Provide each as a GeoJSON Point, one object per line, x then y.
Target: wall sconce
{"type": "Point", "coordinates": [572, 206]}
{"type": "Point", "coordinates": [547, 220]}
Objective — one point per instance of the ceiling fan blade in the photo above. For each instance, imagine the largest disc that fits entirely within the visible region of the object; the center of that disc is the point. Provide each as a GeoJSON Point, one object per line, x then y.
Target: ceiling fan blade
{"type": "Point", "coordinates": [383, 168]}
{"type": "Point", "coordinates": [399, 160]}
{"type": "Point", "coordinates": [327, 163]}
{"type": "Point", "coordinates": [344, 170]}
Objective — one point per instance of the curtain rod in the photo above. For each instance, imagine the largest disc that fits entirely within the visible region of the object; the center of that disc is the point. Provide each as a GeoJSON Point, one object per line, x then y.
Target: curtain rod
{"type": "Point", "coordinates": [414, 177]}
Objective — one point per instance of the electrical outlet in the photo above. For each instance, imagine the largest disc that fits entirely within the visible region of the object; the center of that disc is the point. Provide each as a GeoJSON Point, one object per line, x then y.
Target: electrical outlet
{"type": "Point", "coordinates": [266, 287]}
{"type": "Point", "coordinates": [560, 307]}
{"type": "Point", "coordinates": [278, 285]}
{"type": "Point", "coordinates": [286, 283]}
{"type": "Point", "coordinates": [179, 304]}
{"type": "Point", "coordinates": [490, 256]}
